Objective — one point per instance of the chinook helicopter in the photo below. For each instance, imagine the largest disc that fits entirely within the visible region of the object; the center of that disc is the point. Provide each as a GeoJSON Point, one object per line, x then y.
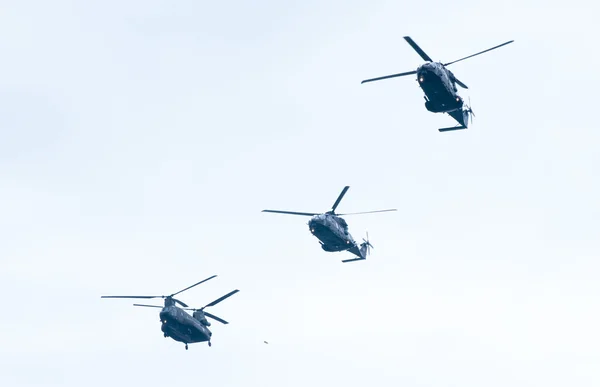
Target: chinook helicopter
{"type": "Point", "coordinates": [332, 230]}
{"type": "Point", "coordinates": [178, 324]}
{"type": "Point", "coordinates": [439, 85]}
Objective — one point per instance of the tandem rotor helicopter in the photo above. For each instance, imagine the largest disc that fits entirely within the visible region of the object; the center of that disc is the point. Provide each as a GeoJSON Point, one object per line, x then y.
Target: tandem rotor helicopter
{"type": "Point", "coordinates": [332, 230]}
{"type": "Point", "coordinates": [439, 85]}
{"type": "Point", "coordinates": [178, 324]}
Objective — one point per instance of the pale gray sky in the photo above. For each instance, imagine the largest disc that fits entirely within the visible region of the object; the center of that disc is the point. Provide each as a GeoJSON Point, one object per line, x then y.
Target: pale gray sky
{"type": "Point", "coordinates": [139, 141]}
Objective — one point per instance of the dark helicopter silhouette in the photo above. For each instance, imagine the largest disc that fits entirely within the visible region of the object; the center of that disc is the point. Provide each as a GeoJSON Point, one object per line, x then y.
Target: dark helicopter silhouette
{"type": "Point", "coordinates": [332, 231]}
{"type": "Point", "coordinates": [439, 85]}
{"type": "Point", "coordinates": [178, 324]}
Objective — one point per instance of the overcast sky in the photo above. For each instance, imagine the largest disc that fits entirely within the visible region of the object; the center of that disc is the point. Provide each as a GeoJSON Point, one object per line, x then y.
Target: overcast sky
{"type": "Point", "coordinates": [139, 141]}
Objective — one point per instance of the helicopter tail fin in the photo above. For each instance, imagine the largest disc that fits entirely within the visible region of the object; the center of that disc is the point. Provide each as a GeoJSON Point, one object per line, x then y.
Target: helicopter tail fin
{"type": "Point", "coordinates": [364, 249]}
{"type": "Point", "coordinates": [452, 128]}
{"type": "Point", "coordinates": [353, 259]}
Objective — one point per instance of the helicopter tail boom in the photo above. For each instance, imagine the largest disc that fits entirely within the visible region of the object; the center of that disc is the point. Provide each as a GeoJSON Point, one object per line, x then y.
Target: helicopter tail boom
{"type": "Point", "coordinates": [361, 252]}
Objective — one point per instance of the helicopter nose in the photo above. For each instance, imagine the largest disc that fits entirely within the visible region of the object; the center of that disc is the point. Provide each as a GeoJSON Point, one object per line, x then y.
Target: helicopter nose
{"type": "Point", "coordinates": [313, 223]}
{"type": "Point", "coordinates": [422, 75]}
{"type": "Point", "coordinates": [165, 316]}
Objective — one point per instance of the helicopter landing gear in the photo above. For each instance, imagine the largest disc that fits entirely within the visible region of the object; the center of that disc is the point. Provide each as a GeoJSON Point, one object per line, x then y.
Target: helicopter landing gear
{"type": "Point", "coordinates": [186, 347]}
{"type": "Point", "coordinates": [209, 344]}
{"type": "Point", "coordinates": [165, 335]}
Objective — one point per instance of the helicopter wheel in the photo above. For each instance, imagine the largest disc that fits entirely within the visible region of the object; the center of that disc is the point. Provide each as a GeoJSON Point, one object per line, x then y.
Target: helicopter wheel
{"type": "Point", "coordinates": [186, 347]}
{"type": "Point", "coordinates": [209, 344]}
{"type": "Point", "coordinates": [164, 334]}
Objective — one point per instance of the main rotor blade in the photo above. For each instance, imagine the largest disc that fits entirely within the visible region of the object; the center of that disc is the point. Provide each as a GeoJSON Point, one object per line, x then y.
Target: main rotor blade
{"type": "Point", "coordinates": [189, 287]}
{"type": "Point", "coordinates": [146, 297]}
{"type": "Point", "coordinates": [417, 49]}
{"type": "Point", "coordinates": [215, 302]}
{"type": "Point", "coordinates": [367, 212]}
{"type": "Point", "coordinates": [291, 212]}
{"type": "Point", "coordinates": [149, 306]}
{"type": "Point", "coordinates": [219, 319]}
{"type": "Point", "coordinates": [481, 52]}
{"type": "Point", "coordinates": [459, 83]}
{"type": "Point", "coordinates": [388, 76]}
{"type": "Point", "coordinates": [180, 302]}
{"type": "Point", "coordinates": [339, 199]}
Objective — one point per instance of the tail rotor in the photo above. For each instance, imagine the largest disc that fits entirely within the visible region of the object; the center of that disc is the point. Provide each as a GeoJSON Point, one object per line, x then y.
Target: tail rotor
{"type": "Point", "coordinates": [469, 112]}
{"type": "Point", "coordinates": [366, 246]}
{"type": "Point", "coordinates": [361, 252]}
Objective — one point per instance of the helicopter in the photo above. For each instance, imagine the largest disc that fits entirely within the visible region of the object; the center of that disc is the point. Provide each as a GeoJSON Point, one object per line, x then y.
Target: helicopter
{"type": "Point", "coordinates": [332, 230]}
{"type": "Point", "coordinates": [178, 324]}
{"type": "Point", "coordinates": [439, 85]}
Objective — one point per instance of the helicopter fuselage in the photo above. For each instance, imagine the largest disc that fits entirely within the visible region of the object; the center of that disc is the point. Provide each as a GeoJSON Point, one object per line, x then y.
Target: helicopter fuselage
{"type": "Point", "coordinates": [180, 326]}
{"type": "Point", "coordinates": [332, 232]}
{"type": "Point", "coordinates": [437, 82]}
